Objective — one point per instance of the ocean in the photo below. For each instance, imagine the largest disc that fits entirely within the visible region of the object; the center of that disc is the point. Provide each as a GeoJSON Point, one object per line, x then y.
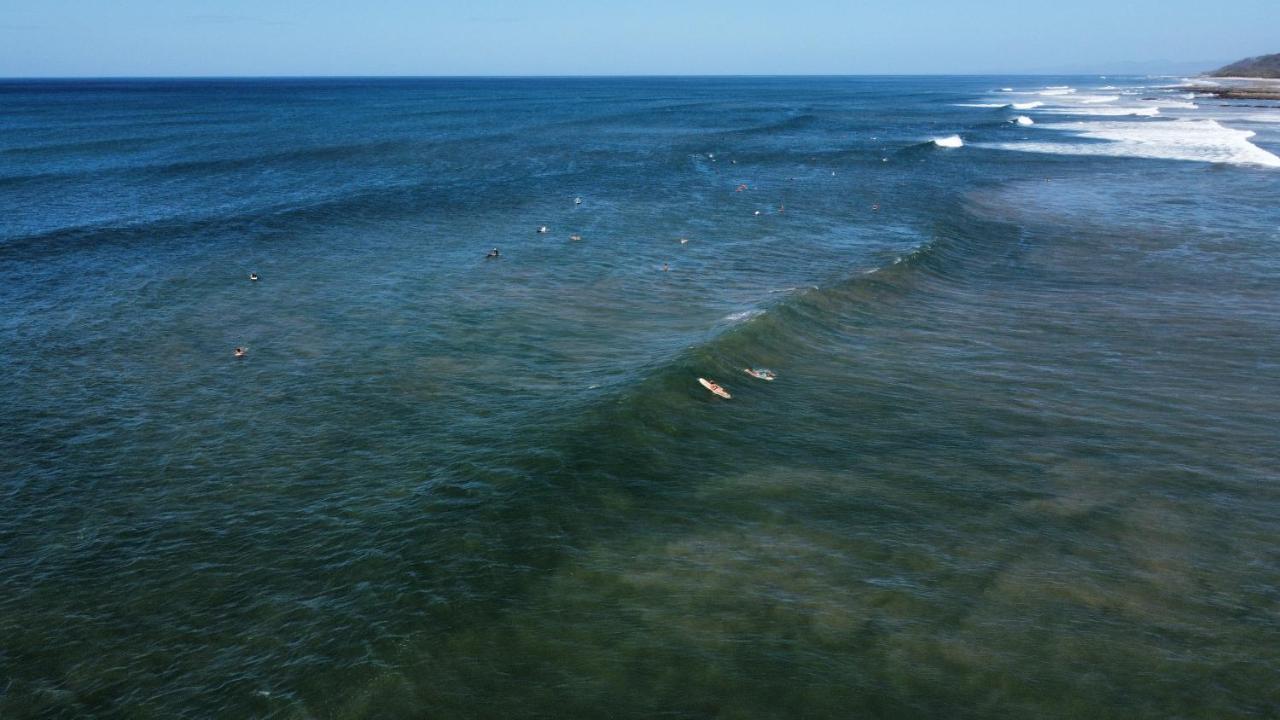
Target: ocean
{"type": "Point", "coordinates": [1021, 457]}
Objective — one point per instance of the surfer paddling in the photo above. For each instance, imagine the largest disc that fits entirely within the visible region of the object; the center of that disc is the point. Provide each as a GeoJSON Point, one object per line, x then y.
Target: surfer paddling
{"type": "Point", "coordinates": [714, 388]}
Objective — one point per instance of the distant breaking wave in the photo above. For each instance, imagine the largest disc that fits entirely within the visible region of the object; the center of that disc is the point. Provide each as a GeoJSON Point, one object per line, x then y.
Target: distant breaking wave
{"type": "Point", "coordinates": [950, 141]}
{"type": "Point", "coordinates": [1105, 111]}
{"type": "Point", "coordinates": [1193, 140]}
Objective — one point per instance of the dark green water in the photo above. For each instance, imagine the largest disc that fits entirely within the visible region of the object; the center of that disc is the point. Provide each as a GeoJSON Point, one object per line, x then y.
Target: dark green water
{"type": "Point", "coordinates": [1020, 459]}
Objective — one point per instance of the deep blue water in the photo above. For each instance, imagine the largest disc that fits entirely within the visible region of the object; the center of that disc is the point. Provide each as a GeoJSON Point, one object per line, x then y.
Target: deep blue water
{"type": "Point", "coordinates": [1020, 459]}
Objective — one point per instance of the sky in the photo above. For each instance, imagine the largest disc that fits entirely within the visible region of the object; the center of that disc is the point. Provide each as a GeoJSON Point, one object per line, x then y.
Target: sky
{"type": "Point", "coordinates": [102, 38]}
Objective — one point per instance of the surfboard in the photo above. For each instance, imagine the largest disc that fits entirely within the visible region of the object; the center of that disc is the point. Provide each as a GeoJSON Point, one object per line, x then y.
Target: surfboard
{"type": "Point", "coordinates": [715, 388]}
{"type": "Point", "coordinates": [761, 373]}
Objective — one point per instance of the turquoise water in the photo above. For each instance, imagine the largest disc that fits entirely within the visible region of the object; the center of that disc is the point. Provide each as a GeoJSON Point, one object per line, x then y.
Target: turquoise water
{"type": "Point", "coordinates": [1019, 461]}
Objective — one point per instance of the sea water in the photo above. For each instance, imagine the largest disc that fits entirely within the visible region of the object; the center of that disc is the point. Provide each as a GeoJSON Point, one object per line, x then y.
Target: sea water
{"type": "Point", "coordinates": [1020, 458]}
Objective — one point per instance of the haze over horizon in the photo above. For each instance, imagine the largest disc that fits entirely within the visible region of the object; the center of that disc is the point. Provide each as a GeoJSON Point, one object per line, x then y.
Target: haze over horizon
{"type": "Point", "coordinates": [72, 38]}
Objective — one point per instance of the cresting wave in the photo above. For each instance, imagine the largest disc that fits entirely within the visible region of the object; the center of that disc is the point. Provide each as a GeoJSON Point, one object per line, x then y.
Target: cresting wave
{"type": "Point", "coordinates": [950, 141]}
{"type": "Point", "coordinates": [1195, 140]}
{"type": "Point", "coordinates": [803, 318]}
{"type": "Point", "coordinates": [1103, 111]}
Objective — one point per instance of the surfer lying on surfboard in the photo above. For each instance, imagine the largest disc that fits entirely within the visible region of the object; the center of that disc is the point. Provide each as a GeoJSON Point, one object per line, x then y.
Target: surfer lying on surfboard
{"type": "Point", "coordinates": [761, 373]}
{"type": "Point", "coordinates": [714, 388]}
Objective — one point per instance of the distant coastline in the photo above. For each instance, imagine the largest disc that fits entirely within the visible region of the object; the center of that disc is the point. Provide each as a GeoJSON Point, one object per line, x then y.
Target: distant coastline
{"type": "Point", "coordinates": [1254, 78]}
{"type": "Point", "coordinates": [1236, 88]}
{"type": "Point", "coordinates": [1262, 66]}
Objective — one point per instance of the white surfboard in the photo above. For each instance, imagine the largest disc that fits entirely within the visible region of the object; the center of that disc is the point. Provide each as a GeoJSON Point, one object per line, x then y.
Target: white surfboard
{"type": "Point", "coordinates": [715, 388]}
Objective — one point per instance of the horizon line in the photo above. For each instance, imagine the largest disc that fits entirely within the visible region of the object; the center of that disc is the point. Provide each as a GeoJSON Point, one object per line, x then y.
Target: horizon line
{"type": "Point", "coordinates": [6, 78]}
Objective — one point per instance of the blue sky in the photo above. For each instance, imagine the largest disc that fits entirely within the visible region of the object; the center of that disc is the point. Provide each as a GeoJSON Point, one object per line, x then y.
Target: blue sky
{"type": "Point", "coordinates": [612, 37]}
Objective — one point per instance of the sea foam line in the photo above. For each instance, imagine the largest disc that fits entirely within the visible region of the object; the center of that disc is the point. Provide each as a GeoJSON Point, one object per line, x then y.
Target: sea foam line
{"type": "Point", "coordinates": [1193, 140]}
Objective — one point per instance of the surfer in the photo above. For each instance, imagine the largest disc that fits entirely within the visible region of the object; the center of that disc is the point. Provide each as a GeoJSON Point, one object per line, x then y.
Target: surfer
{"type": "Point", "coordinates": [253, 277]}
{"type": "Point", "coordinates": [542, 229]}
{"type": "Point", "coordinates": [493, 253]}
{"type": "Point", "coordinates": [575, 237]}
{"type": "Point", "coordinates": [240, 352]}
{"type": "Point", "coordinates": [666, 268]}
{"type": "Point", "coordinates": [714, 388]}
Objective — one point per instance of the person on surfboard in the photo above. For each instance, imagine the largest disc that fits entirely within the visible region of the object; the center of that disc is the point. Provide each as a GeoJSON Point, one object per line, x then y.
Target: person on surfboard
{"type": "Point", "coordinates": [714, 388]}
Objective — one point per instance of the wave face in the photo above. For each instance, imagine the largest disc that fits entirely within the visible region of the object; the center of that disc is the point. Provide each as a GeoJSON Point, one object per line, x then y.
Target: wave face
{"type": "Point", "coordinates": [1014, 390]}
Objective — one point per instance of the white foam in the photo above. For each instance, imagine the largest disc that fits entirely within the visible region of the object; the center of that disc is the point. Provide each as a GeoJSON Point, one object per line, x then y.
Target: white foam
{"type": "Point", "coordinates": [1059, 90]}
{"type": "Point", "coordinates": [1111, 111]}
{"type": "Point", "coordinates": [1023, 120]}
{"type": "Point", "coordinates": [1094, 99]}
{"type": "Point", "coordinates": [1177, 104]}
{"type": "Point", "coordinates": [1194, 140]}
{"type": "Point", "coordinates": [1006, 89]}
{"type": "Point", "coordinates": [1027, 105]}
{"type": "Point", "coordinates": [950, 141]}
{"type": "Point", "coordinates": [742, 316]}
{"type": "Point", "coordinates": [983, 105]}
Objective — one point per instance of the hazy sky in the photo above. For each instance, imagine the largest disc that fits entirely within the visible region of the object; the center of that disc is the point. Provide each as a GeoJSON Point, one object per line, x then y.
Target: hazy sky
{"type": "Point", "coordinates": [610, 37]}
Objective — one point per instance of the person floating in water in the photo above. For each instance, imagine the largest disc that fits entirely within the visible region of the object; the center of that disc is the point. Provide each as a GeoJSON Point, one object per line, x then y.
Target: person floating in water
{"type": "Point", "coordinates": [575, 238]}
{"type": "Point", "coordinates": [577, 201]}
{"type": "Point", "coordinates": [253, 277]}
{"type": "Point", "coordinates": [493, 253]}
{"type": "Point", "coordinates": [666, 267]}
{"type": "Point", "coordinates": [542, 229]}
{"type": "Point", "coordinates": [240, 352]}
